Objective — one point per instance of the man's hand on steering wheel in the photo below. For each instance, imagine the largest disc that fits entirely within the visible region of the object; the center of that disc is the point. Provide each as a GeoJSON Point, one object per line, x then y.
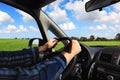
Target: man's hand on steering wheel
{"type": "Point", "coordinates": [48, 45]}
{"type": "Point", "coordinates": [75, 49]}
{"type": "Point", "coordinates": [72, 48]}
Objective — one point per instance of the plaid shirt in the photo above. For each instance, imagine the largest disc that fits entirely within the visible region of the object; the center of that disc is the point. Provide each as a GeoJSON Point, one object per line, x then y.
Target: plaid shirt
{"type": "Point", "coordinates": [23, 58]}
{"type": "Point", "coordinates": [46, 70]}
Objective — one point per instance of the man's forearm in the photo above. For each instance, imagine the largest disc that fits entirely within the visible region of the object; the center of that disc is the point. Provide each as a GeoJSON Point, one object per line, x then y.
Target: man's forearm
{"type": "Point", "coordinates": [68, 56]}
{"type": "Point", "coordinates": [23, 57]}
{"type": "Point", "coordinates": [50, 69]}
{"type": "Point", "coordinates": [47, 70]}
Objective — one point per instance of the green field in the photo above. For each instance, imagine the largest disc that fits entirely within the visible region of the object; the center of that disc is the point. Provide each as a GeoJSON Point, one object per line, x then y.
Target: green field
{"type": "Point", "coordinates": [13, 44]}
{"type": "Point", "coordinates": [18, 44]}
{"type": "Point", "coordinates": [102, 43]}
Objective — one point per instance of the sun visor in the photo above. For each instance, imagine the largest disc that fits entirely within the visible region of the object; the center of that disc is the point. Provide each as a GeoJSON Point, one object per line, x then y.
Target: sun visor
{"type": "Point", "coordinates": [33, 3]}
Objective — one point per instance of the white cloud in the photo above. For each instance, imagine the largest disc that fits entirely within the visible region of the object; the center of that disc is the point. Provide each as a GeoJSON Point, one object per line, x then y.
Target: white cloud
{"type": "Point", "coordinates": [58, 15]}
{"type": "Point", "coordinates": [22, 28]}
{"type": "Point", "coordinates": [33, 28]}
{"type": "Point", "coordinates": [56, 4]}
{"type": "Point", "coordinates": [10, 29]}
{"type": "Point", "coordinates": [78, 9]}
{"type": "Point", "coordinates": [0, 31]}
{"type": "Point", "coordinates": [26, 17]}
{"type": "Point", "coordinates": [117, 11]}
{"type": "Point", "coordinates": [99, 27]}
{"type": "Point", "coordinates": [117, 7]}
{"type": "Point", "coordinates": [67, 26]}
{"type": "Point", "coordinates": [103, 27]}
{"type": "Point", "coordinates": [44, 8]}
{"type": "Point", "coordinates": [5, 17]}
{"type": "Point", "coordinates": [106, 35]}
{"type": "Point", "coordinates": [13, 29]}
{"type": "Point", "coordinates": [115, 28]}
{"type": "Point", "coordinates": [76, 6]}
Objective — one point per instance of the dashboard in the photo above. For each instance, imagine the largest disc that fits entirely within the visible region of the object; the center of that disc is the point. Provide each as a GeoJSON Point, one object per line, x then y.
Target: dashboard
{"type": "Point", "coordinates": [105, 64]}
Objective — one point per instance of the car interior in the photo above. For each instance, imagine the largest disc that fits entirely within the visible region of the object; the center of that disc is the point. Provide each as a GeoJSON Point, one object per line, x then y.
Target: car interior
{"type": "Point", "coordinates": [94, 62]}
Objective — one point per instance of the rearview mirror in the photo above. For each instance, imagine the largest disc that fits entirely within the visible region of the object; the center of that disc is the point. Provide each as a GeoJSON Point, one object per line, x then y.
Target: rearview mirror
{"type": "Point", "coordinates": [98, 4]}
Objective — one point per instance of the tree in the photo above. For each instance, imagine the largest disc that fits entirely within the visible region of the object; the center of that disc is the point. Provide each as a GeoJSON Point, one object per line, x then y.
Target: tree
{"type": "Point", "coordinates": [117, 37]}
{"type": "Point", "coordinates": [83, 39]}
{"type": "Point", "coordinates": [92, 38]}
{"type": "Point", "coordinates": [15, 37]}
{"type": "Point", "coordinates": [101, 39]}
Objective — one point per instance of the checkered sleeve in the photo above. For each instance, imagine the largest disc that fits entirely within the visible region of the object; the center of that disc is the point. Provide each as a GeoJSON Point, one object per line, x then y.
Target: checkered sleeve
{"type": "Point", "coordinates": [50, 69]}
{"type": "Point", "coordinates": [47, 70]}
{"type": "Point", "coordinates": [23, 58]}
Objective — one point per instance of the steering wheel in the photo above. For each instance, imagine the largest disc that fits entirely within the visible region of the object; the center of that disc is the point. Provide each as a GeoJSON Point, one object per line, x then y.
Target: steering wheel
{"type": "Point", "coordinates": [72, 64]}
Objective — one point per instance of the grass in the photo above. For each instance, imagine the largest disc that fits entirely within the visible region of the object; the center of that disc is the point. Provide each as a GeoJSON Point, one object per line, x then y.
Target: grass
{"type": "Point", "coordinates": [102, 43]}
{"type": "Point", "coordinates": [13, 44]}
{"type": "Point", "coordinates": [94, 43]}
{"type": "Point", "coordinates": [18, 44]}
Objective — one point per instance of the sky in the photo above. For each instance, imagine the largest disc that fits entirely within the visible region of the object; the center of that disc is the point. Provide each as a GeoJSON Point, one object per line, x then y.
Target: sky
{"type": "Point", "coordinates": [71, 17]}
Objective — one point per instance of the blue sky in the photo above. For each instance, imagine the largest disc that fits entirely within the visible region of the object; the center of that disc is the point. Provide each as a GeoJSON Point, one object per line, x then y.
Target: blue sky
{"type": "Point", "coordinates": [70, 15]}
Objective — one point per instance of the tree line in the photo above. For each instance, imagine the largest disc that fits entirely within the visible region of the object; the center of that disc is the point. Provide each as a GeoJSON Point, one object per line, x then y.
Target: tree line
{"type": "Point", "coordinates": [92, 38]}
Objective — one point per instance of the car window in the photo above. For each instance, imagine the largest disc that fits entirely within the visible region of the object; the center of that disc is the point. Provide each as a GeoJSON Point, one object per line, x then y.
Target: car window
{"type": "Point", "coordinates": [96, 28]}
{"type": "Point", "coordinates": [16, 28]}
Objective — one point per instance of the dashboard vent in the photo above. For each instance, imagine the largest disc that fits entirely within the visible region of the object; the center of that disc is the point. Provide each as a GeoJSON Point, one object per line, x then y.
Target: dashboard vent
{"type": "Point", "coordinates": [105, 57]}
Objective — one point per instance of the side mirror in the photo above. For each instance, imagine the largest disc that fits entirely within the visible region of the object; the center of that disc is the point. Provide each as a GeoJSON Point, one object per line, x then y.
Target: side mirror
{"type": "Point", "coordinates": [98, 4]}
{"type": "Point", "coordinates": [35, 42]}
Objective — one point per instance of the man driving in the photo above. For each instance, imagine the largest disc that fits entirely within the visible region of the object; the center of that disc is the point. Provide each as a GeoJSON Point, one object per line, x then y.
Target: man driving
{"type": "Point", "coordinates": [25, 65]}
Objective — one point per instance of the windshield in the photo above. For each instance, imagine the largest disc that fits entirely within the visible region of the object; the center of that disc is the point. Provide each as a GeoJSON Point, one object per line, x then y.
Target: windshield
{"type": "Point", "coordinates": [96, 28]}
{"type": "Point", "coordinates": [16, 28]}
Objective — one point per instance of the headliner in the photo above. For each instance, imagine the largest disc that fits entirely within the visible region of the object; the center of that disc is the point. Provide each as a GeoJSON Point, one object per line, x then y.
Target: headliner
{"type": "Point", "coordinates": [34, 4]}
